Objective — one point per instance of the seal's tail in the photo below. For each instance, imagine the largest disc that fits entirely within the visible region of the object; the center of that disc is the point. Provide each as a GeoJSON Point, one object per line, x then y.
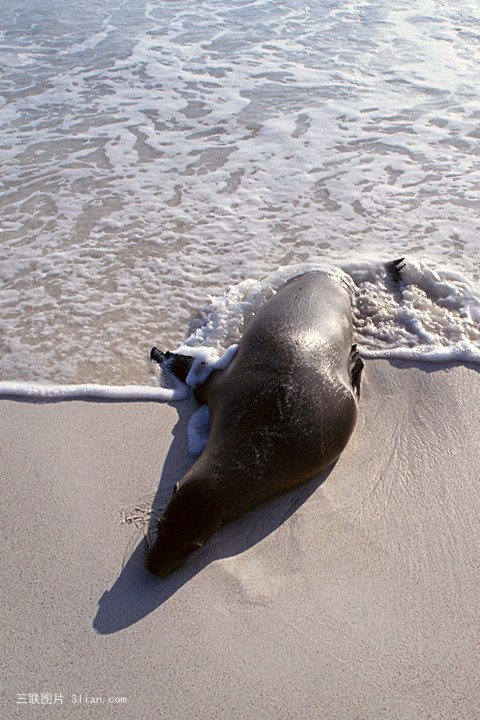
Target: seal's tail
{"type": "Point", "coordinates": [179, 365]}
{"type": "Point", "coordinates": [395, 268]}
{"type": "Point", "coordinates": [158, 355]}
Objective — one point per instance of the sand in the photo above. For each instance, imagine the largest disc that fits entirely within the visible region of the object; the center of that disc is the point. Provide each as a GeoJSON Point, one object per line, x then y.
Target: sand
{"type": "Point", "coordinates": [353, 597]}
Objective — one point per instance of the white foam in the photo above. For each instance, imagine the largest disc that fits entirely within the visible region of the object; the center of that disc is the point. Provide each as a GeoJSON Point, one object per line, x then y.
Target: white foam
{"type": "Point", "coordinates": [41, 391]}
{"type": "Point", "coordinates": [428, 314]}
{"type": "Point", "coordinates": [207, 360]}
{"type": "Point", "coordinates": [223, 320]}
{"type": "Point", "coordinates": [198, 430]}
{"type": "Point", "coordinates": [462, 352]}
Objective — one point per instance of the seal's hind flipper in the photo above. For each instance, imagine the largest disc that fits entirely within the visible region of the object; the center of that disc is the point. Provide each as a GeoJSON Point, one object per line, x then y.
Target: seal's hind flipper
{"type": "Point", "coordinates": [356, 369]}
{"type": "Point", "coordinates": [395, 268]}
{"type": "Point", "coordinates": [178, 364]}
{"type": "Point", "coordinates": [157, 355]}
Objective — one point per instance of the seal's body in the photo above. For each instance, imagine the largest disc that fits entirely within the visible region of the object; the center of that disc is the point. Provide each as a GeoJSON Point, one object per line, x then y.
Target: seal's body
{"type": "Point", "coordinates": [281, 412]}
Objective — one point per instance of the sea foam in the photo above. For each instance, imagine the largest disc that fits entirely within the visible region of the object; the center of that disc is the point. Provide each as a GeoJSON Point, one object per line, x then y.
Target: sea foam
{"type": "Point", "coordinates": [154, 154]}
{"type": "Point", "coordinates": [426, 312]}
{"type": "Point", "coordinates": [123, 393]}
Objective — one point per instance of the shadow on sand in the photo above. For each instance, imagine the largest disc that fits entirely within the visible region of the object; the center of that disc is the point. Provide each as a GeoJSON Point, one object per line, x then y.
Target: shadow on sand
{"type": "Point", "coordinates": [136, 593]}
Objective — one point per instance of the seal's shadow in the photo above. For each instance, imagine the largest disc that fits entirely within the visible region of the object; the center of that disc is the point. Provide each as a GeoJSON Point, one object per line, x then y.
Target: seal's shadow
{"type": "Point", "coordinates": [136, 593]}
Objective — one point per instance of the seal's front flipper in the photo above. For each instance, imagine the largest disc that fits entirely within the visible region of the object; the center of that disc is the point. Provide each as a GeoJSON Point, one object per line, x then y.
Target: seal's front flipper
{"type": "Point", "coordinates": [356, 369]}
{"type": "Point", "coordinates": [179, 365]}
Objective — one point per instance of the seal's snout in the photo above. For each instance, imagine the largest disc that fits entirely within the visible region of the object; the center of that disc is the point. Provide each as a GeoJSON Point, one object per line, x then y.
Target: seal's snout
{"type": "Point", "coordinates": [159, 562]}
{"type": "Point", "coordinates": [187, 523]}
{"type": "Point", "coordinates": [167, 553]}
{"type": "Point", "coordinates": [158, 568]}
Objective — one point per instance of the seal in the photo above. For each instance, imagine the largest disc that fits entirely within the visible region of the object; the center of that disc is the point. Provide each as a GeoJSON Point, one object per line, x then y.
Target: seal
{"type": "Point", "coordinates": [281, 412]}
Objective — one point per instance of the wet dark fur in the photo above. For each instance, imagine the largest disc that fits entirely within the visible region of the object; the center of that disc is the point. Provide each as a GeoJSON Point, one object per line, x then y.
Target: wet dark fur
{"type": "Point", "coordinates": [281, 412]}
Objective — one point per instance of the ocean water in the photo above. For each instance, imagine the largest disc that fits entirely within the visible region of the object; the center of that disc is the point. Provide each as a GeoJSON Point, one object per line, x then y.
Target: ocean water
{"type": "Point", "coordinates": [164, 165]}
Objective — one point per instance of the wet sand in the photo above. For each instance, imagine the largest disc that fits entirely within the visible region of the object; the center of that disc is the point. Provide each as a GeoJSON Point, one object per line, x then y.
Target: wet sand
{"type": "Point", "coordinates": [353, 597]}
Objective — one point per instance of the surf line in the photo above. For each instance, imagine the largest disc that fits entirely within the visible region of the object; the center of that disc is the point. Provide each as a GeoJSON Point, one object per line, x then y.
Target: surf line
{"type": "Point", "coordinates": [45, 391]}
{"type": "Point", "coordinates": [461, 352]}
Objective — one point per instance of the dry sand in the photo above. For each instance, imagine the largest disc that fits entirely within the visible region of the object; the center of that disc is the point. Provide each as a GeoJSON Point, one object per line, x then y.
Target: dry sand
{"type": "Point", "coordinates": [348, 599]}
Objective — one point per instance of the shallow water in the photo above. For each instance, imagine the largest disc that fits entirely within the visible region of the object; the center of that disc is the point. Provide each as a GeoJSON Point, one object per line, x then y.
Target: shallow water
{"type": "Point", "coordinates": [153, 154]}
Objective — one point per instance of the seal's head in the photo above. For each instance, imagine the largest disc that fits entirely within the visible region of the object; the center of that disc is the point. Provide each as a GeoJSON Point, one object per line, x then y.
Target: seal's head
{"type": "Point", "coordinates": [190, 518]}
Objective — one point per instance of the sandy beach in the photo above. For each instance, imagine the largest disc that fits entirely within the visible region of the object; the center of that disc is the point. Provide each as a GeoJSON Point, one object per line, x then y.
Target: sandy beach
{"type": "Point", "coordinates": [354, 597]}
